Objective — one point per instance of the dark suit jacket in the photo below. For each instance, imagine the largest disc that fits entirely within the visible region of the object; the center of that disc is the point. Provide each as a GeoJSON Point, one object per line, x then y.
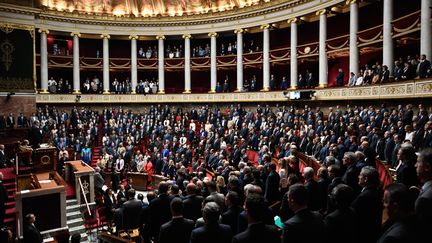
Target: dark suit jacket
{"type": "Point", "coordinates": [407, 175]}
{"type": "Point", "coordinates": [132, 213]}
{"type": "Point", "coordinates": [401, 231]}
{"type": "Point", "coordinates": [258, 233]}
{"type": "Point", "coordinates": [32, 234]}
{"type": "Point", "coordinates": [314, 195]}
{"type": "Point", "coordinates": [423, 210]}
{"type": "Point", "coordinates": [341, 226]}
{"type": "Point", "coordinates": [272, 193]}
{"type": "Point", "coordinates": [368, 206]}
{"type": "Point", "coordinates": [304, 227]}
{"type": "Point", "coordinates": [176, 230]}
{"type": "Point", "coordinates": [217, 233]}
{"type": "Point", "coordinates": [160, 213]}
{"type": "Point", "coordinates": [192, 207]}
{"type": "Point", "coordinates": [231, 216]}
{"type": "Point", "coordinates": [351, 178]}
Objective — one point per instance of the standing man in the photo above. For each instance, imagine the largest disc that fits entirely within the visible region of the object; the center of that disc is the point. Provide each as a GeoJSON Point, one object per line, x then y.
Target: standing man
{"type": "Point", "coordinates": [368, 205]}
{"type": "Point", "coordinates": [340, 78]}
{"type": "Point", "coordinates": [31, 233]}
{"type": "Point", "coordinates": [423, 204]}
{"type": "Point", "coordinates": [257, 230]}
{"type": "Point", "coordinates": [3, 159]}
{"type": "Point", "coordinates": [178, 229]}
{"type": "Point", "coordinates": [305, 226]}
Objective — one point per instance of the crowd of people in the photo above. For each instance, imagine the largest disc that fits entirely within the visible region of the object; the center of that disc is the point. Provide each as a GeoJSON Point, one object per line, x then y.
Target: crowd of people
{"type": "Point", "coordinates": [404, 69]}
{"type": "Point", "coordinates": [148, 86]}
{"type": "Point", "coordinates": [203, 151]}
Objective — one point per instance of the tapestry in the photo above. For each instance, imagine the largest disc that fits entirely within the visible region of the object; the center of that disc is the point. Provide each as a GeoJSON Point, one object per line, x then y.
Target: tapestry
{"type": "Point", "coordinates": [17, 60]}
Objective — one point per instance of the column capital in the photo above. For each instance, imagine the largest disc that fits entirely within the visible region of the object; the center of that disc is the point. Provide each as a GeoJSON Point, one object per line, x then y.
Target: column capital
{"type": "Point", "coordinates": [46, 31]}
{"type": "Point", "coordinates": [265, 26]}
{"type": "Point", "coordinates": [213, 34]}
{"type": "Point", "coordinates": [349, 2]}
{"type": "Point", "coordinates": [321, 12]}
{"type": "Point", "coordinates": [160, 37]}
{"type": "Point", "coordinates": [105, 36]}
{"type": "Point", "coordinates": [186, 36]}
{"type": "Point", "coordinates": [133, 37]}
{"type": "Point", "coordinates": [73, 34]}
{"type": "Point", "coordinates": [293, 20]}
{"type": "Point", "coordinates": [236, 31]}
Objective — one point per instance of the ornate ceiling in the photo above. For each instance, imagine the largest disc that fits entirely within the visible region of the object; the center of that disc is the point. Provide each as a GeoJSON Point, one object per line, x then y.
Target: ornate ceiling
{"type": "Point", "coordinates": [148, 8]}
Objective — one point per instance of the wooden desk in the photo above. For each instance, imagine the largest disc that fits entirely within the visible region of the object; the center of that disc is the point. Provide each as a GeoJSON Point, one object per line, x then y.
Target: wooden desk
{"type": "Point", "coordinates": [85, 173]}
{"type": "Point", "coordinates": [156, 179]}
{"type": "Point", "coordinates": [44, 195]}
{"type": "Point", "coordinates": [139, 180]}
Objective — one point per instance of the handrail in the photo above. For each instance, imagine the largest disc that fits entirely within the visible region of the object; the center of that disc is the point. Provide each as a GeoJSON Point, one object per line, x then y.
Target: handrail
{"type": "Point", "coordinates": [85, 198]}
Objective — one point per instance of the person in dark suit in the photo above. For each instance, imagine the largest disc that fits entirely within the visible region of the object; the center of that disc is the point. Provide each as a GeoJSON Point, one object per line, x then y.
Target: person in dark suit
{"type": "Point", "coordinates": [313, 189]}
{"type": "Point", "coordinates": [424, 65]}
{"type": "Point", "coordinates": [368, 205]}
{"type": "Point", "coordinates": [192, 203]}
{"type": "Point", "coordinates": [31, 233]}
{"type": "Point", "coordinates": [36, 135]}
{"type": "Point", "coordinates": [340, 78]}
{"type": "Point", "coordinates": [305, 226]}
{"type": "Point", "coordinates": [121, 193]}
{"type": "Point", "coordinates": [178, 229]}
{"type": "Point", "coordinates": [3, 200]}
{"type": "Point", "coordinates": [10, 122]}
{"type": "Point", "coordinates": [352, 171]}
{"type": "Point", "coordinates": [406, 172]}
{"type": "Point", "coordinates": [212, 231]}
{"type": "Point", "coordinates": [257, 231]}
{"type": "Point", "coordinates": [272, 193]}
{"type": "Point", "coordinates": [341, 224]}
{"type": "Point", "coordinates": [3, 160]}
{"type": "Point", "coordinates": [22, 121]}
{"type": "Point", "coordinates": [423, 204]}
{"type": "Point", "coordinates": [160, 210]}
{"type": "Point", "coordinates": [399, 204]}
{"type": "Point", "coordinates": [132, 211]}
{"type": "Point", "coordinates": [231, 216]}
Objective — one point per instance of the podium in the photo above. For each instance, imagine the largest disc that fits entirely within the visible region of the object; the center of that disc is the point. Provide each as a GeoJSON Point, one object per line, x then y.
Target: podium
{"type": "Point", "coordinates": [45, 159]}
{"type": "Point", "coordinates": [44, 195]}
{"type": "Point", "coordinates": [77, 171]}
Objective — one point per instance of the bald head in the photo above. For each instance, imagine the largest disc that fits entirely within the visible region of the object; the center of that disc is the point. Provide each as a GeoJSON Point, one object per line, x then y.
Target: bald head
{"type": "Point", "coordinates": [191, 189]}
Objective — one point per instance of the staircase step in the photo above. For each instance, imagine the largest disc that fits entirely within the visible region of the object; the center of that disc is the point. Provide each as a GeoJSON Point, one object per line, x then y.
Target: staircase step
{"type": "Point", "coordinates": [77, 229]}
{"type": "Point", "coordinates": [73, 215]}
{"type": "Point", "coordinates": [10, 212]}
{"type": "Point", "coordinates": [72, 208]}
{"type": "Point", "coordinates": [9, 185]}
{"type": "Point", "coordinates": [10, 204]}
{"type": "Point", "coordinates": [75, 222]}
{"type": "Point", "coordinates": [71, 202]}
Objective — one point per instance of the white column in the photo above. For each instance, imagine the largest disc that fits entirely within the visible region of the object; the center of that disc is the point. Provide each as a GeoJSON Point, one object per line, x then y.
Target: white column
{"type": "Point", "coordinates": [76, 64]}
{"type": "Point", "coordinates": [425, 29]}
{"type": "Point", "coordinates": [353, 50]}
{"type": "Point", "coordinates": [388, 59]}
{"type": "Point", "coordinates": [266, 57]}
{"type": "Point", "coordinates": [239, 33]}
{"type": "Point", "coordinates": [161, 70]}
{"type": "Point", "coordinates": [134, 65]}
{"type": "Point", "coordinates": [293, 61]}
{"type": "Point", "coordinates": [213, 69]}
{"type": "Point", "coordinates": [106, 81]}
{"type": "Point", "coordinates": [187, 67]}
{"type": "Point", "coordinates": [44, 61]}
{"type": "Point", "coordinates": [323, 65]}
